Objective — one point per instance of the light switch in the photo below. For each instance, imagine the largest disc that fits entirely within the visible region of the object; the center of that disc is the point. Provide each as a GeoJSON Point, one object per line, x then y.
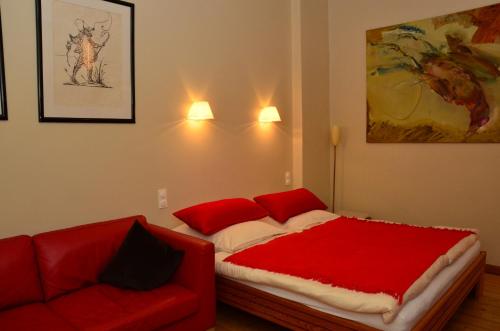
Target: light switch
{"type": "Point", "coordinates": [162, 198]}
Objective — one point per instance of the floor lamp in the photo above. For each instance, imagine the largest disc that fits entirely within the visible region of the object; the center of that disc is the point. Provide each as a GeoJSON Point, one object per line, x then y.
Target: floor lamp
{"type": "Point", "coordinates": [335, 137]}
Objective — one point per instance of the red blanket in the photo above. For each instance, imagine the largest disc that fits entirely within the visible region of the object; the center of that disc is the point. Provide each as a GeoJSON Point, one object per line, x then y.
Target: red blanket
{"type": "Point", "coordinates": [366, 256]}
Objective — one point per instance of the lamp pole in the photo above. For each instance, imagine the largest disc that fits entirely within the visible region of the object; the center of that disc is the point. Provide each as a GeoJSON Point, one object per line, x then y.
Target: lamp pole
{"type": "Point", "coordinates": [334, 168]}
{"type": "Point", "coordinates": [335, 139]}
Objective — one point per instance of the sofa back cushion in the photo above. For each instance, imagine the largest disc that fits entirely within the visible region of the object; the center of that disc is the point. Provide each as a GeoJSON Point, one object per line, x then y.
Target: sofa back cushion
{"type": "Point", "coordinates": [19, 282]}
{"type": "Point", "coordinates": [73, 258]}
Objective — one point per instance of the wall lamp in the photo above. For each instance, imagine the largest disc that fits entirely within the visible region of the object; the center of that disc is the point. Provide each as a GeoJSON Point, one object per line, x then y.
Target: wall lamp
{"type": "Point", "coordinates": [199, 111]}
{"type": "Point", "coordinates": [269, 114]}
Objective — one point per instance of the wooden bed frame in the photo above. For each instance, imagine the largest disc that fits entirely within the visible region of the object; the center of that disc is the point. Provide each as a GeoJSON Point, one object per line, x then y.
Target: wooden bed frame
{"type": "Point", "coordinates": [297, 316]}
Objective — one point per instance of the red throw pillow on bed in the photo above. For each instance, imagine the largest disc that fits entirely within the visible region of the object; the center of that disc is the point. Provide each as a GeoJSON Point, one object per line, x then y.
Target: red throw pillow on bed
{"type": "Point", "coordinates": [210, 217]}
{"type": "Point", "coordinates": [281, 206]}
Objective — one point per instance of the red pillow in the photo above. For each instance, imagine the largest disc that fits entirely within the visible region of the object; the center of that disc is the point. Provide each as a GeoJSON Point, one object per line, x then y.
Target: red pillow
{"type": "Point", "coordinates": [210, 217]}
{"type": "Point", "coordinates": [281, 206]}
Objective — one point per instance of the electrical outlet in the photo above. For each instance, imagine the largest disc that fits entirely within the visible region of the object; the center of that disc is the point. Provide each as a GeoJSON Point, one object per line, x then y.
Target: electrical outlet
{"type": "Point", "coordinates": [162, 198]}
{"type": "Point", "coordinates": [288, 178]}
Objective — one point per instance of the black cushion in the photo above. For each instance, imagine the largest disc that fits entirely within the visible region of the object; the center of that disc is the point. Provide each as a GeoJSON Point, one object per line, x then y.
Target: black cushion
{"type": "Point", "coordinates": [143, 262]}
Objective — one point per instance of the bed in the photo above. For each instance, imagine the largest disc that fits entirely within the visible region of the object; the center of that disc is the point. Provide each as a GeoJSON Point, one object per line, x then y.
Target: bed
{"type": "Point", "coordinates": [296, 310]}
{"type": "Point", "coordinates": [434, 307]}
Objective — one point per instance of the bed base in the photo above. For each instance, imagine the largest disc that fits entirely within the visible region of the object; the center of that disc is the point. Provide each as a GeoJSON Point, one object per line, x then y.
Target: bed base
{"type": "Point", "coordinates": [296, 316]}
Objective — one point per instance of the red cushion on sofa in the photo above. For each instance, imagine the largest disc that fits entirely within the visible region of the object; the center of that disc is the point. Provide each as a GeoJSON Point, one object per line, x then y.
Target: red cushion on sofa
{"type": "Point", "coordinates": [72, 258]}
{"type": "Point", "coordinates": [103, 307]}
{"type": "Point", "coordinates": [32, 317]}
{"type": "Point", "coordinates": [283, 205]}
{"type": "Point", "coordinates": [18, 273]}
{"type": "Point", "coordinates": [210, 217]}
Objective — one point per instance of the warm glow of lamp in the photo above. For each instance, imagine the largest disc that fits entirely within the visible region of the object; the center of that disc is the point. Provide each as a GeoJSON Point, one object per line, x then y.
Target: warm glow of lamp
{"type": "Point", "coordinates": [335, 135]}
{"type": "Point", "coordinates": [269, 114]}
{"type": "Point", "coordinates": [200, 111]}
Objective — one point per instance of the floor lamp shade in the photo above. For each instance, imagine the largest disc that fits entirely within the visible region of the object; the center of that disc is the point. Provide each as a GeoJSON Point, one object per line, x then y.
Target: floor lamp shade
{"type": "Point", "coordinates": [335, 135]}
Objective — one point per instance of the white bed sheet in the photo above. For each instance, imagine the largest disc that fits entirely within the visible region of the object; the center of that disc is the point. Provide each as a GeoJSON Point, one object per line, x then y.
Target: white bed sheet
{"type": "Point", "coordinates": [410, 313]}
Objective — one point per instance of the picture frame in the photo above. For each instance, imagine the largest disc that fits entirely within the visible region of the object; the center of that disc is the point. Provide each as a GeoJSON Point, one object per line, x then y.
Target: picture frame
{"type": "Point", "coordinates": [85, 61]}
{"type": "Point", "coordinates": [435, 80]}
{"type": "Point", "coordinates": [3, 94]}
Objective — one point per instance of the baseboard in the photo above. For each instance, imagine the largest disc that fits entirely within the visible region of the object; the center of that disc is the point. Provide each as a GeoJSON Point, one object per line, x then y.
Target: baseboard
{"type": "Point", "coordinates": [493, 269]}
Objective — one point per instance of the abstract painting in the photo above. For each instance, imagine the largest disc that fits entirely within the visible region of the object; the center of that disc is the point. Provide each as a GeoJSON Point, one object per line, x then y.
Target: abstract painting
{"type": "Point", "coordinates": [86, 61]}
{"type": "Point", "coordinates": [3, 95]}
{"type": "Point", "coordinates": [435, 80]}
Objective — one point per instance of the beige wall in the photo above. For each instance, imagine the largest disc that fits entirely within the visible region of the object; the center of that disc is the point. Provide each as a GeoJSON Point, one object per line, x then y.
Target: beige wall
{"type": "Point", "coordinates": [454, 184]}
{"type": "Point", "coordinates": [315, 97]}
{"type": "Point", "coordinates": [235, 54]}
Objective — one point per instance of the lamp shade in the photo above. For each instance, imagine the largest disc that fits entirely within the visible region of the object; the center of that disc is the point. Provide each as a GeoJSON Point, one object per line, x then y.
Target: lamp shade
{"type": "Point", "coordinates": [269, 114]}
{"type": "Point", "coordinates": [200, 110]}
{"type": "Point", "coordinates": [335, 135]}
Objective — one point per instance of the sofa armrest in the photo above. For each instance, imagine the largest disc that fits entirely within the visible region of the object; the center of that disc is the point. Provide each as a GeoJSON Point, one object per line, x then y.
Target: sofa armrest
{"type": "Point", "coordinates": [198, 266]}
{"type": "Point", "coordinates": [197, 270]}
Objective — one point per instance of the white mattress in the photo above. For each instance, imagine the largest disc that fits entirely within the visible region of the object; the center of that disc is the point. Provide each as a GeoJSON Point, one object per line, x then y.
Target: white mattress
{"type": "Point", "coordinates": [409, 314]}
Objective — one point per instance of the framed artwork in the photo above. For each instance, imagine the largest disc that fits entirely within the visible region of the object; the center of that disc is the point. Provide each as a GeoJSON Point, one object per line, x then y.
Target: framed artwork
{"type": "Point", "coordinates": [435, 80]}
{"type": "Point", "coordinates": [85, 61]}
{"type": "Point", "coordinates": [3, 95]}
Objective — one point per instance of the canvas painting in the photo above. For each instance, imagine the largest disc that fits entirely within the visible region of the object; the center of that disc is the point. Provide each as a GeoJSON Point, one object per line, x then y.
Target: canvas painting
{"type": "Point", "coordinates": [435, 80]}
{"type": "Point", "coordinates": [86, 69]}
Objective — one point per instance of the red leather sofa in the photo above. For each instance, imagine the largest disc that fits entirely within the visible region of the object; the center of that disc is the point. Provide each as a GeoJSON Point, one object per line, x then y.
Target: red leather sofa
{"type": "Point", "coordinates": [49, 282]}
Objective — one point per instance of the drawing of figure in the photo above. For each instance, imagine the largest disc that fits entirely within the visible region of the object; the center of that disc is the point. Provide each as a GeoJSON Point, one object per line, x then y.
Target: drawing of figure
{"type": "Point", "coordinates": [82, 53]}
